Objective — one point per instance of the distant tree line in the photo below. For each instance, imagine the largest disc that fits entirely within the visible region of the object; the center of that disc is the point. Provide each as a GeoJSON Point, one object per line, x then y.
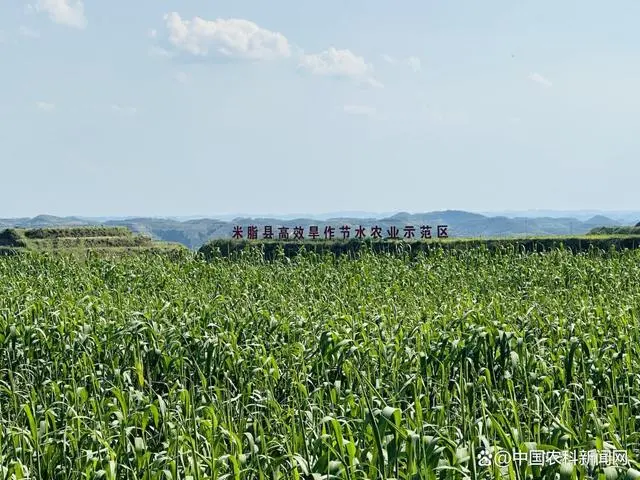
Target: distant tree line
{"type": "Point", "coordinates": [625, 230]}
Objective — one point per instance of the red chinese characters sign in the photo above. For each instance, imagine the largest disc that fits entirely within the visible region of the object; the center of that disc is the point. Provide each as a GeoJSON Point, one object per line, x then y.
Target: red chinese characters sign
{"type": "Point", "coordinates": [343, 232]}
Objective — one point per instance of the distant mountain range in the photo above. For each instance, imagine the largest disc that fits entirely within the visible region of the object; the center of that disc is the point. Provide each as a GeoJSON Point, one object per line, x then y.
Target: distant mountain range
{"type": "Point", "coordinates": [196, 231]}
{"type": "Point", "coordinates": [623, 216]}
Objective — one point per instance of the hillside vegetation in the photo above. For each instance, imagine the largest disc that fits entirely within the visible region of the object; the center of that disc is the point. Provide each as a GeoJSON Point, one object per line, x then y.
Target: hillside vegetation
{"type": "Point", "coordinates": [628, 230]}
{"type": "Point", "coordinates": [78, 239]}
{"type": "Point", "coordinates": [77, 232]}
{"type": "Point", "coordinates": [273, 249]}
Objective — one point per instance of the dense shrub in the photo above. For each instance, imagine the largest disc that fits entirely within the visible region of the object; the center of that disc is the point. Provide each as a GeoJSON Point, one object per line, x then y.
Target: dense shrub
{"type": "Point", "coordinates": [78, 232]}
{"type": "Point", "coordinates": [272, 249]}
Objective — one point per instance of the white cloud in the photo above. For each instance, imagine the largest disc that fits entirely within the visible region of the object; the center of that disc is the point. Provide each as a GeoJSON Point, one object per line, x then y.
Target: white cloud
{"type": "Point", "coordinates": [335, 62]}
{"type": "Point", "coordinates": [243, 39]}
{"type": "Point", "coordinates": [359, 110]}
{"type": "Point", "coordinates": [182, 77]}
{"type": "Point", "coordinates": [232, 38]}
{"type": "Point", "coordinates": [29, 33]}
{"type": "Point", "coordinates": [124, 110]}
{"type": "Point", "coordinates": [152, 33]}
{"type": "Point", "coordinates": [536, 77]}
{"type": "Point", "coordinates": [45, 106]}
{"type": "Point", "coordinates": [64, 12]}
{"type": "Point", "coordinates": [339, 63]}
{"type": "Point", "coordinates": [414, 63]}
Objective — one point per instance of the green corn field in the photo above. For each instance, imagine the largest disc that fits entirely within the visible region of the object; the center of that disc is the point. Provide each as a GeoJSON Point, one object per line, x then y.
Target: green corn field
{"type": "Point", "coordinates": [378, 366]}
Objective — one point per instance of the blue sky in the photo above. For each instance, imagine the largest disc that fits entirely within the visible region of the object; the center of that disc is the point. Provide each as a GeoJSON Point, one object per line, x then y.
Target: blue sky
{"type": "Point", "coordinates": [180, 108]}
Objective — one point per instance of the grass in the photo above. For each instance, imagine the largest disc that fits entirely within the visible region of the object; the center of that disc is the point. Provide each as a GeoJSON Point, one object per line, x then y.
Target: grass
{"type": "Point", "coordinates": [380, 366]}
{"type": "Point", "coordinates": [79, 240]}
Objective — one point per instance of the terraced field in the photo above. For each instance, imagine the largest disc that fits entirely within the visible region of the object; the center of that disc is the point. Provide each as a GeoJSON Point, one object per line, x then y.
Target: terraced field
{"type": "Point", "coordinates": [380, 366]}
{"type": "Point", "coordinates": [79, 240]}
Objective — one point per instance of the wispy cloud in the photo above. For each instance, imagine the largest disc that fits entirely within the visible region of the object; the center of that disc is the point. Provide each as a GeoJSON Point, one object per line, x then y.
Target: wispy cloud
{"type": "Point", "coordinates": [160, 52]}
{"type": "Point", "coordinates": [45, 106]}
{"type": "Point", "coordinates": [182, 77]}
{"type": "Point", "coordinates": [27, 32]}
{"type": "Point", "coordinates": [359, 110]}
{"type": "Point", "coordinates": [539, 79]}
{"type": "Point", "coordinates": [125, 110]}
{"type": "Point", "coordinates": [448, 118]}
{"type": "Point", "coordinates": [388, 59]}
{"type": "Point", "coordinates": [412, 62]}
{"type": "Point", "coordinates": [63, 12]}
